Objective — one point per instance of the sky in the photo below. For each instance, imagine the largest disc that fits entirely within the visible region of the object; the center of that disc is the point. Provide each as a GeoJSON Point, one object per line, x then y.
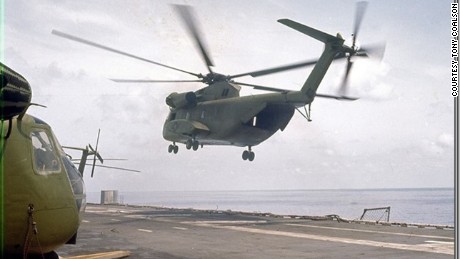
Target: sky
{"type": "Point", "coordinates": [399, 134]}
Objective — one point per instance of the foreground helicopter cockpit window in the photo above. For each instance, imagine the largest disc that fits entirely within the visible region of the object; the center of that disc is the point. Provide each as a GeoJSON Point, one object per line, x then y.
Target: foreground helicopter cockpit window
{"type": "Point", "coordinates": [44, 154]}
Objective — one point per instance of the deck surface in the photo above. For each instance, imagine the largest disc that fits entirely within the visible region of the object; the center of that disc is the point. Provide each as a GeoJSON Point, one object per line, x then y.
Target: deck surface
{"type": "Point", "coordinates": [149, 232]}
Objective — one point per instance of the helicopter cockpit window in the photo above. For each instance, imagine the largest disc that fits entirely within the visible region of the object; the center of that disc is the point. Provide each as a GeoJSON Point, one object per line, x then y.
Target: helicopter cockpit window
{"type": "Point", "coordinates": [44, 153]}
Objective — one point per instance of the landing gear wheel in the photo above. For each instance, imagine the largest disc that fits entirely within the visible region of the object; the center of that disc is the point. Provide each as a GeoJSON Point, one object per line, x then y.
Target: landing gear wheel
{"type": "Point", "coordinates": [195, 145]}
{"type": "Point", "coordinates": [252, 155]}
{"type": "Point", "coordinates": [173, 148]}
{"type": "Point", "coordinates": [189, 144]}
{"type": "Point", "coordinates": [248, 155]}
{"type": "Point", "coordinates": [245, 155]}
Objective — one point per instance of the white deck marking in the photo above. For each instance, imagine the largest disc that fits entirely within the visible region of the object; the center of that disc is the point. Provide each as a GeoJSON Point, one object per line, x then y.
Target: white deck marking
{"type": "Point", "coordinates": [440, 242]}
{"type": "Point", "coordinates": [227, 221]}
{"type": "Point", "coordinates": [144, 230]}
{"type": "Point", "coordinates": [429, 248]}
{"type": "Point", "coordinates": [85, 221]}
{"type": "Point", "coordinates": [371, 231]}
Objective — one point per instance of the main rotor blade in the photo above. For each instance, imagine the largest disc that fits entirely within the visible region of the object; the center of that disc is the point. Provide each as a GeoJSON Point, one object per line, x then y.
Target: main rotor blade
{"type": "Point", "coordinates": [185, 13]}
{"type": "Point", "coordinates": [360, 10]}
{"type": "Point", "coordinates": [282, 68]}
{"type": "Point", "coordinates": [273, 89]}
{"type": "Point", "coordinates": [337, 97]}
{"type": "Point", "coordinates": [276, 69]}
{"type": "Point", "coordinates": [100, 46]}
{"type": "Point", "coordinates": [265, 88]}
{"type": "Point", "coordinates": [152, 81]}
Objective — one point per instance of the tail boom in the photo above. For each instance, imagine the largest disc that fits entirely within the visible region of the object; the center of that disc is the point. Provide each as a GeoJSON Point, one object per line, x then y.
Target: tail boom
{"type": "Point", "coordinates": [333, 45]}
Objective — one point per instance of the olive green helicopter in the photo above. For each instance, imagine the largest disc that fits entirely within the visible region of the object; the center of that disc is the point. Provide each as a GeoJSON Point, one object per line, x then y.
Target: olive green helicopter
{"type": "Point", "coordinates": [218, 115]}
{"type": "Point", "coordinates": [42, 193]}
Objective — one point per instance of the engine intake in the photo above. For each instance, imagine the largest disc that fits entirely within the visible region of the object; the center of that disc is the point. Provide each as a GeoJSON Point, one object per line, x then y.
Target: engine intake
{"type": "Point", "coordinates": [181, 100]}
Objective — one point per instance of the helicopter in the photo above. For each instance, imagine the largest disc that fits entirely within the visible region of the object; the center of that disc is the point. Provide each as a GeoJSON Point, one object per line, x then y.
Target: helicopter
{"type": "Point", "coordinates": [218, 115]}
{"type": "Point", "coordinates": [43, 196]}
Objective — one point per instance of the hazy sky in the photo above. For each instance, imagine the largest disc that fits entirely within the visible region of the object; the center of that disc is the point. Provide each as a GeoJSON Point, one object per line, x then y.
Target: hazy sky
{"type": "Point", "coordinates": [399, 134]}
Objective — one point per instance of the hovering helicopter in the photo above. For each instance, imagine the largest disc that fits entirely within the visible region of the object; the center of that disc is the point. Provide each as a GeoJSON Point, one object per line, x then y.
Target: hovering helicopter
{"type": "Point", "coordinates": [218, 115]}
{"type": "Point", "coordinates": [42, 195]}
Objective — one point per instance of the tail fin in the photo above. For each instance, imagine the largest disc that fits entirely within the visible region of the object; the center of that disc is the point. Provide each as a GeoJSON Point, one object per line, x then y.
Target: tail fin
{"type": "Point", "coordinates": [314, 33]}
{"type": "Point", "coordinates": [334, 45]}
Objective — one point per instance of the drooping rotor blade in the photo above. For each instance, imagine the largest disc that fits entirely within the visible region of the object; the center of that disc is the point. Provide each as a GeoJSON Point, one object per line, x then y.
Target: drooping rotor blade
{"type": "Point", "coordinates": [117, 168]}
{"type": "Point", "coordinates": [74, 148]}
{"type": "Point", "coordinates": [360, 10]}
{"type": "Point", "coordinates": [152, 81]}
{"type": "Point", "coordinates": [185, 12]}
{"type": "Point", "coordinates": [97, 45]}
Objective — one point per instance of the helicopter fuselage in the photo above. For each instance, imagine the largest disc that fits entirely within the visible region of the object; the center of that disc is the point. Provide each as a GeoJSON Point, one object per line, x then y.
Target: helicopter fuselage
{"type": "Point", "coordinates": [43, 193]}
{"type": "Point", "coordinates": [239, 121]}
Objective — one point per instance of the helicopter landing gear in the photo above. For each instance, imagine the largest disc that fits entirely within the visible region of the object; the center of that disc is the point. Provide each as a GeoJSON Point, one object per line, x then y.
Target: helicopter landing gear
{"type": "Point", "coordinates": [192, 144]}
{"type": "Point", "coordinates": [173, 148]}
{"type": "Point", "coordinates": [248, 154]}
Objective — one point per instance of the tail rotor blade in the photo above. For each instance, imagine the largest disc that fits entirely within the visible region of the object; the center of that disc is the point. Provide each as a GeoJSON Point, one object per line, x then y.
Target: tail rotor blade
{"type": "Point", "coordinates": [360, 11]}
{"type": "Point", "coordinates": [374, 51]}
{"type": "Point", "coordinates": [94, 165]}
{"type": "Point", "coordinates": [96, 154]}
{"type": "Point", "coordinates": [344, 86]}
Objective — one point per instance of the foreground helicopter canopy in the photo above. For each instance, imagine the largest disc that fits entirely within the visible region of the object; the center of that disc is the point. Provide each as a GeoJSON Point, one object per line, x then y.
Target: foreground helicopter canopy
{"type": "Point", "coordinates": [15, 93]}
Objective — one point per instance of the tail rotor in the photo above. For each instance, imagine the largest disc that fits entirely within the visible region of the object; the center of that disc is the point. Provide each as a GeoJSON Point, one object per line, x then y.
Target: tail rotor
{"type": "Point", "coordinates": [96, 154]}
{"type": "Point", "coordinates": [370, 51]}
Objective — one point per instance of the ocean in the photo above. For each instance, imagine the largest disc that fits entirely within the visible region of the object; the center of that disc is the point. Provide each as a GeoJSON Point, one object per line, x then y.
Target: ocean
{"type": "Point", "coordinates": [424, 205]}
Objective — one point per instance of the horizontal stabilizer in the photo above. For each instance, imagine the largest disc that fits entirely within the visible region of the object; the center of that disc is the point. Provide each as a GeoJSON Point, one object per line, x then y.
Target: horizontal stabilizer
{"type": "Point", "coordinates": [314, 33]}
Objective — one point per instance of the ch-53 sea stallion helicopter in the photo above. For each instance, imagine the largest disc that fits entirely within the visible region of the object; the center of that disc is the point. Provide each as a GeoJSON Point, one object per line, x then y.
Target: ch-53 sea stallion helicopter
{"type": "Point", "coordinates": [42, 194]}
{"type": "Point", "coordinates": [218, 115]}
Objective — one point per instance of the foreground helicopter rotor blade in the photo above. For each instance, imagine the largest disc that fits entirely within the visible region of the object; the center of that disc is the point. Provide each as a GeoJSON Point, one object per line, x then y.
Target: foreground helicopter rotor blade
{"type": "Point", "coordinates": [100, 46]}
{"type": "Point", "coordinates": [185, 12]}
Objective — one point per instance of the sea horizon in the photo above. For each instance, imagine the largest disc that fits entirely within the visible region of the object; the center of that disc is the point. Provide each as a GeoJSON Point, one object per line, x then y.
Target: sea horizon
{"type": "Point", "coordinates": [433, 205]}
